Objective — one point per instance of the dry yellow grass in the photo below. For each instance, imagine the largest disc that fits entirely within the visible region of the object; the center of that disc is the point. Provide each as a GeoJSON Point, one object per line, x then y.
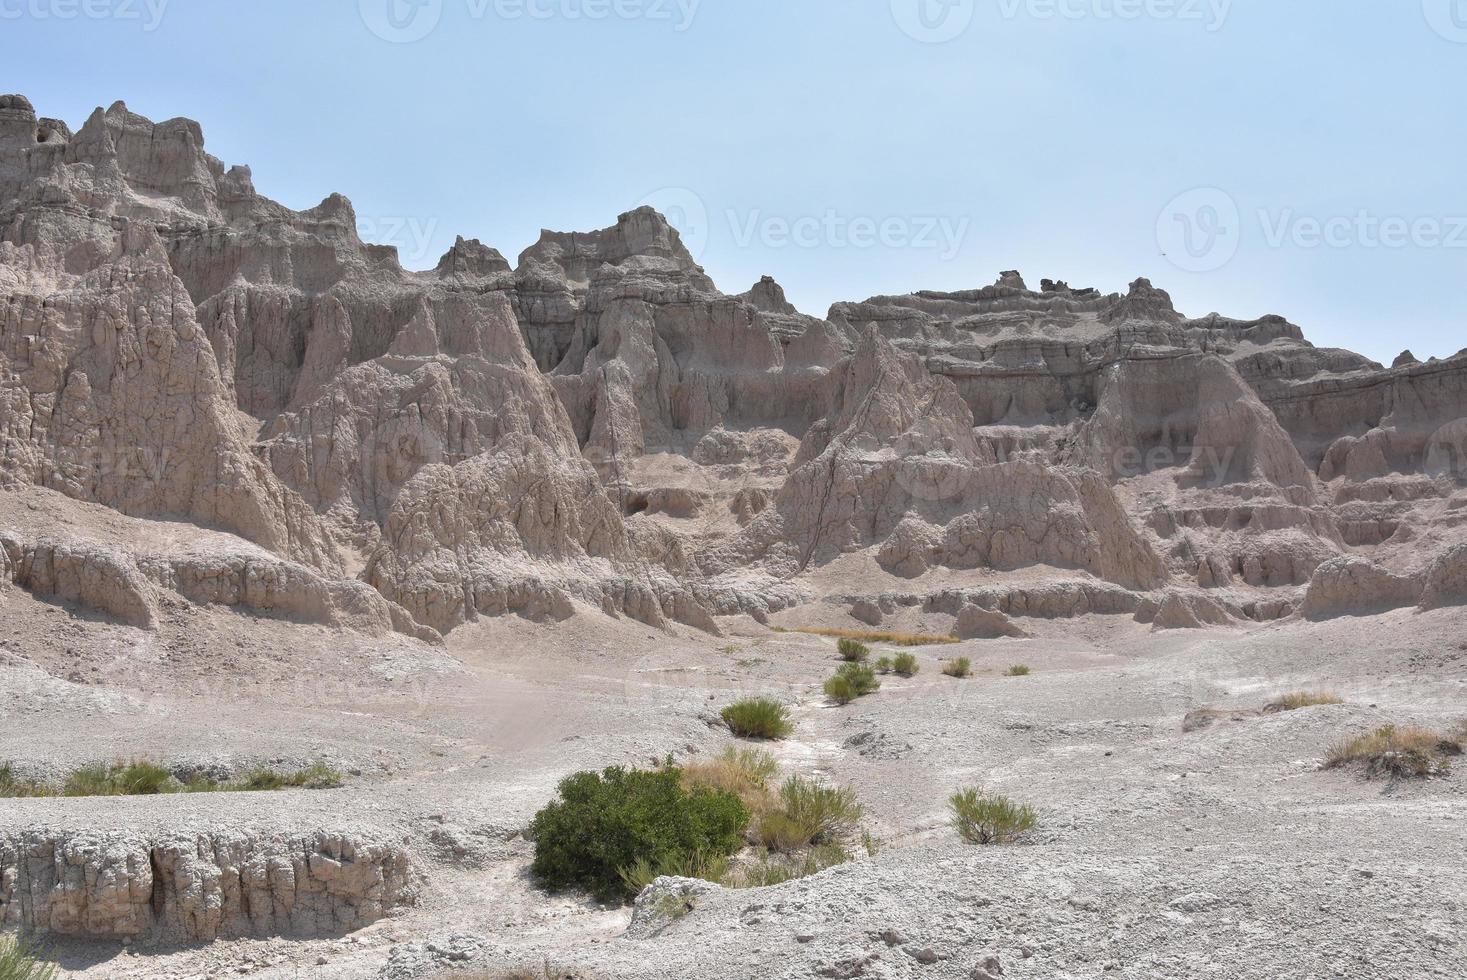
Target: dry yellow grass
{"type": "Point", "coordinates": [1407, 752]}
{"type": "Point", "coordinates": [746, 773]}
{"type": "Point", "coordinates": [873, 636]}
{"type": "Point", "coordinates": [1302, 699]}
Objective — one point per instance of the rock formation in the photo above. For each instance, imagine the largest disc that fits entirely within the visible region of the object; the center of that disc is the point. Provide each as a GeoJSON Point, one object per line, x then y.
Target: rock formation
{"type": "Point", "coordinates": [598, 429]}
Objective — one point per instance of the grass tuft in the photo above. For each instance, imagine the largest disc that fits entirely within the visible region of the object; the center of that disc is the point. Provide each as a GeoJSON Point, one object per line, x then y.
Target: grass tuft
{"type": "Point", "coordinates": [21, 959]}
{"type": "Point", "coordinates": [808, 813]}
{"type": "Point", "coordinates": [905, 665]}
{"type": "Point", "coordinates": [853, 651]}
{"type": "Point", "coordinates": [758, 718]}
{"type": "Point", "coordinates": [1397, 753]}
{"type": "Point", "coordinates": [884, 665]}
{"type": "Point", "coordinates": [1019, 670]}
{"type": "Point", "coordinates": [988, 818]}
{"type": "Point", "coordinates": [1302, 699]}
{"type": "Point", "coordinates": [850, 682]}
{"type": "Point", "coordinates": [961, 667]}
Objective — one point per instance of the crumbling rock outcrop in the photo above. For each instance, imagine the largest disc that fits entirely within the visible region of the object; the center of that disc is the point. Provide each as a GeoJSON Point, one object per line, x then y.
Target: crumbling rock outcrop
{"type": "Point", "coordinates": [196, 887]}
{"type": "Point", "coordinates": [600, 427]}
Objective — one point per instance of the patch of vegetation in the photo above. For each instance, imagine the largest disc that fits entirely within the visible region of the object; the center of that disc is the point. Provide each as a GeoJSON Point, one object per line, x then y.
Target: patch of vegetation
{"type": "Point", "coordinates": [1398, 753]}
{"type": "Point", "coordinates": [12, 787]}
{"type": "Point", "coordinates": [21, 959]}
{"type": "Point", "coordinates": [875, 636]}
{"type": "Point", "coordinates": [603, 824]}
{"type": "Point", "coordinates": [1019, 670]}
{"type": "Point", "coordinates": [853, 651]}
{"type": "Point", "coordinates": [961, 667]}
{"type": "Point", "coordinates": [988, 818]}
{"type": "Point", "coordinates": [149, 779]}
{"type": "Point", "coordinates": [1302, 699]}
{"type": "Point", "coordinates": [905, 665]}
{"type": "Point", "coordinates": [758, 718]}
{"type": "Point", "coordinates": [850, 682]}
{"type": "Point", "coordinates": [642, 872]}
{"type": "Point", "coordinates": [812, 813]}
{"type": "Point", "coordinates": [884, 665]}
{"type": "Point", "coordinates": [776, 869]}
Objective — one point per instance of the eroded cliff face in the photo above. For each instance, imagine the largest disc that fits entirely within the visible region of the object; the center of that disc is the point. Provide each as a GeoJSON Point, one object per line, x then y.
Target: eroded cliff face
{"type": "Point", "coordinates": [599, 429]}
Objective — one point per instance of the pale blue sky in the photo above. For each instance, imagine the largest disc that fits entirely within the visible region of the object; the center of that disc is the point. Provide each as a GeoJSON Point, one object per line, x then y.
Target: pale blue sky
{"type": "Point", "coordinates": [1051, 136]}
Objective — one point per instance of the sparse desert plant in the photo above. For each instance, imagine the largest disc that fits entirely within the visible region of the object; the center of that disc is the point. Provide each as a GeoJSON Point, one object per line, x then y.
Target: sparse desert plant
{"type": "Point", "coordinates": [1302, 699]}
{"type": "Point", "coordinates": [1019, 670]}
{"type": "Point", "coordinates": [13, 787]}
{"type": "Point", "coordinates": [775, 869]}
{"type": "Point", "coordinates": [1396, 753]}
{"type": "Point", "coordinates": [318, 775]}
{"type": "Point", "coordinates": [21, 959]}
{"type": "Point", "coordinates": [746, 773]}
{"type": "Point", "coordinates": [642, 872]}
{"type": "Point", "coordinates": [811, 812]}
{"type": "Point", "coordinates": [603, 823]}
{"type": "Point", "coordinates": [853, 651]}
{"type": "Point", "coordinates": [851, 681]}
{"type": "Point", "coordinates": [988, 818]}
{"type": "Point", "coordinates": [961, 667]}
{"type": "Point", "coordinates": [905, 665]}
{"type": "Point", "coordinates": [132, 779]}
{"type": "Point", "coordinates": [758, 718]}
{"type": "Point", "coordinates": [884, 665]}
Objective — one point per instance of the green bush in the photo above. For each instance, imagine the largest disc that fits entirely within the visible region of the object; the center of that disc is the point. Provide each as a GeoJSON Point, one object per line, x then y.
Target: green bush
{"type": "Point", "coordinates": [315, 776]}
{"type": "Point", "coordinates": [961, 667]}
{"type": "Point", "coordinates": [1019, 670]}
{"type": "Point", "coordinates": [20, 959]}
{"type": "Point", "coordinates": [758, 718]}
{"type": "Point", "coordinates": [821, 813]}
{"type": "Point", "coordinates": [884, 665]}
{"type": "Point", "coordinates": [606, 823]}
{"type": "Point", "coordinates": [987, 818]}
{"type": "Point", "coordinates": [853, 651]}
{"type": "Point", "coordinates": [851, 681]}
{"type": "Point", "coordinates": [133, 779]}
{"type": "Point", "coordinates": [905, 664]}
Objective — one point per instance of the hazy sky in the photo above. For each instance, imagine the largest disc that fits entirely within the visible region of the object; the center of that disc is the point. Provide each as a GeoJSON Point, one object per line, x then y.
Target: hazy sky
{"type": "Point", "coordinates": [1302, 157]}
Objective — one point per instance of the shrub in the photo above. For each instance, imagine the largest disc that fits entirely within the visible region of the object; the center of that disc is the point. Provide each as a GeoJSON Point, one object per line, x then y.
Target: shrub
{"type": "Point", "coordinates": [603, 823]}
{"type": "Point", "coordinates": [643, 872]}
{"type": "Point", "coordinates": [961, 667]}
{"type": "Point", "coordinates": [905, 664]}
{"type": "Point", "coordinates": [884, 665]}
{"type": "Point", "coordinates": [1019, 670]}
{"type": "Point", "coordinates": [133, 779]}
{"type": "Point", "coordinates": [850, 682]}
{"type": "Point", "coordinates": [1302, 699]}
{"type": "Point", "coordinates": [20, 959]}
{"type": "Point", "coordinates": [758, 718]}
{"type": "Point", "coordinates": [987, 818]}
{"type": "Point", "coordinates": [809, 813]}
{"type": "Point", "coordinates": [1398, 753]}
{"type": "Point", "coordinates": [853, 651]}
{"type": "Point", "coordinates": [318, 775]}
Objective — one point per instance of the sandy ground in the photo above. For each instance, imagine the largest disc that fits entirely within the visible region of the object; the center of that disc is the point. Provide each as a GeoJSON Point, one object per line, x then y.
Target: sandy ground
{"type": "Point", "coordinates": [1160, 854]}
